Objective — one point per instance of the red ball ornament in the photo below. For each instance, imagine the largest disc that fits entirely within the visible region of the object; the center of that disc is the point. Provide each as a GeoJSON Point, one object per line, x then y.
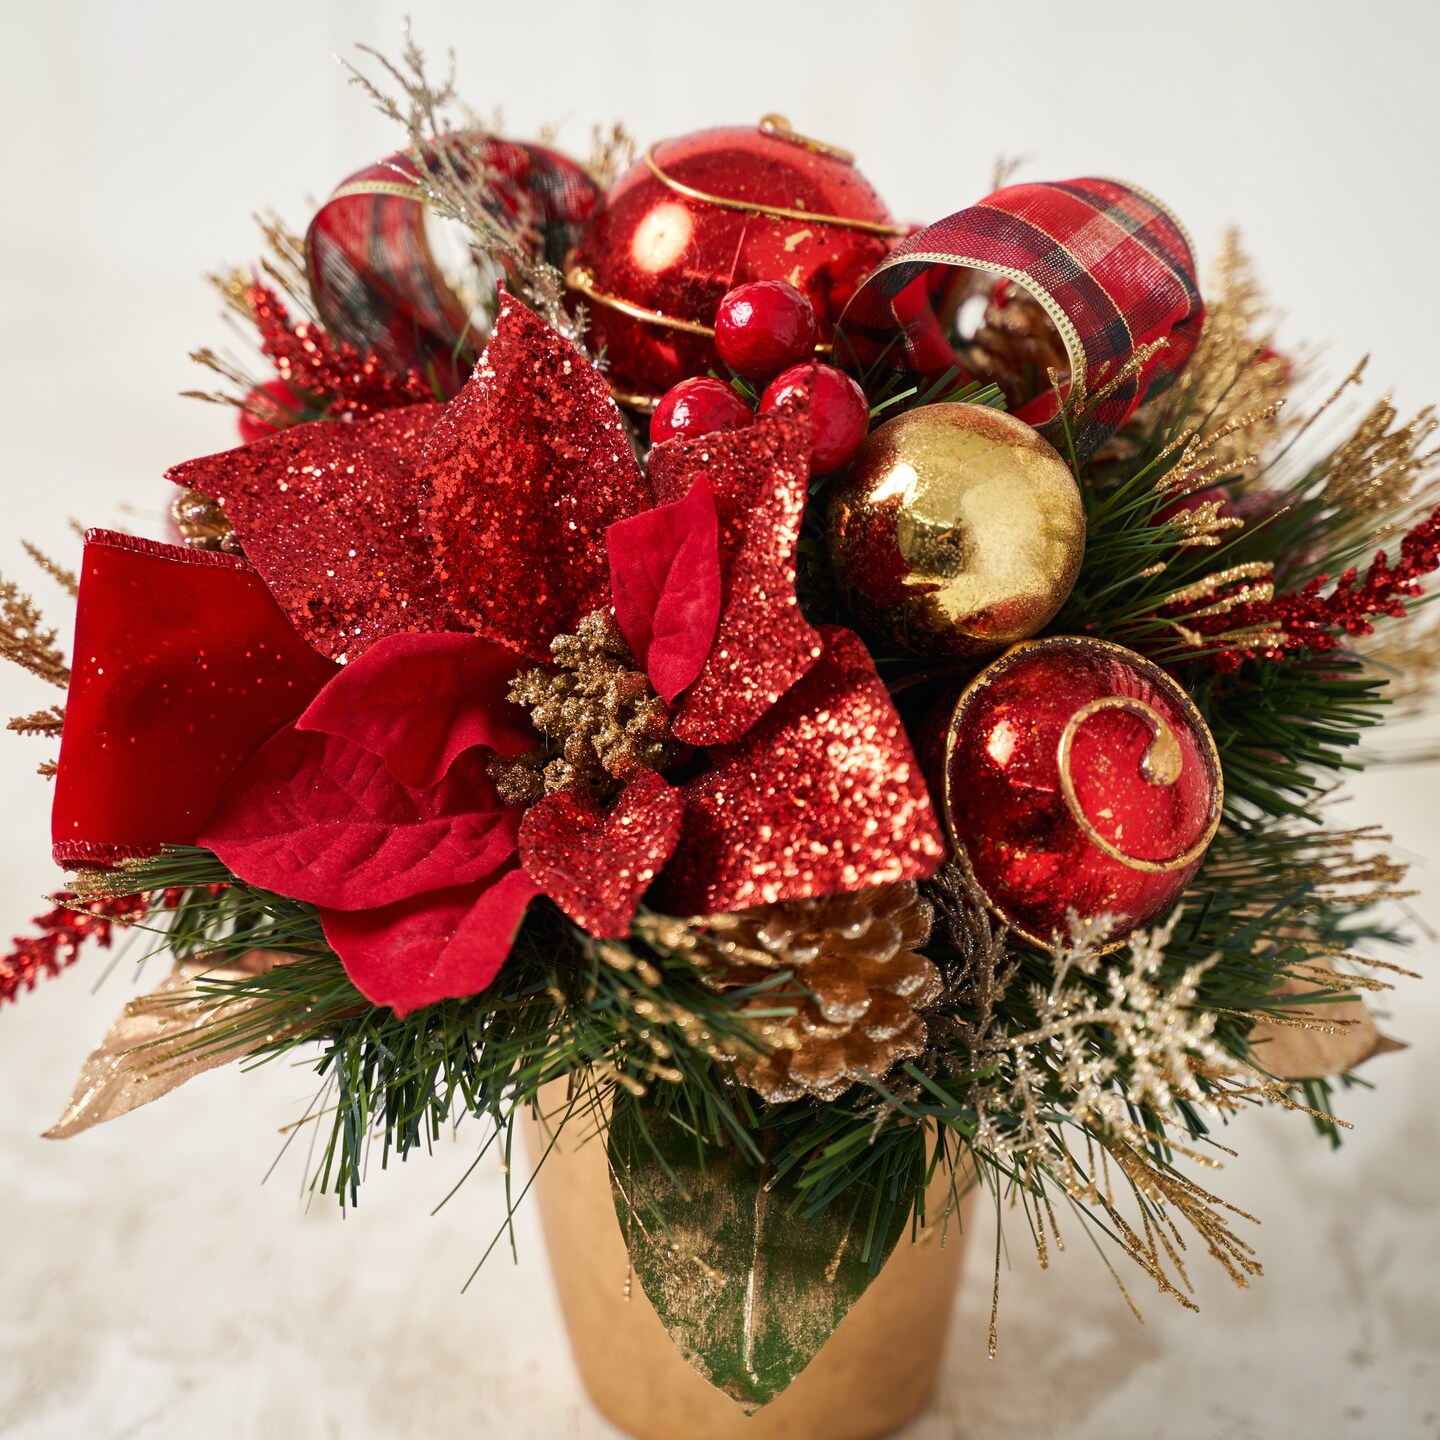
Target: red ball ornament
{"type": "Point", "coordinates": [1077, 776]}
{"type": "Point", "coordinates": [704, 213]}
{"type": "Point", "coordinates": [698, 406]}
{"type": "Point", "coordinates": [839, 411]}
{"type": "Point", "coordinates": [764, 327]}
{"type": "Point", "coordinates": [267, 408]}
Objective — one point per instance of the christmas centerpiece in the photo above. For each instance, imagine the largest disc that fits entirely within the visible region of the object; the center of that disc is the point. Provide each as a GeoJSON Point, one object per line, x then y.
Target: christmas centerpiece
{"type": "Point", "coordinates": [813, 716]}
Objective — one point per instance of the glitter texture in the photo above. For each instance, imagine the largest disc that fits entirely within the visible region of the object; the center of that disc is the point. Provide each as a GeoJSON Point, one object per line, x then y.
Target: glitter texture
{"type": "Point", "coordinates": [525, 470]}
{"type": "Point", "coordinates": [329, 515]}
{"type": "Point", "coordinates": [823, 795]}
{"type": "Point", "coordinates": [763, 644]}
{"type": "Point", "coordinates": [597, 864]}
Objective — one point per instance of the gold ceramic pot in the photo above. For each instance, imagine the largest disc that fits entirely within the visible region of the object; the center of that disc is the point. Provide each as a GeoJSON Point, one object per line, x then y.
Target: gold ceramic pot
{"type": "Point", "coordinates": [876, 1372]}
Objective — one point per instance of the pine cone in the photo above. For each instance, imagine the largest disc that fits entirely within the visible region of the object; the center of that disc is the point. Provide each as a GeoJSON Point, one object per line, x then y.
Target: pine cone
{"type": "Point", "coordinates": [1016, 345]}
{"type": "Point", "coordinates": [601, 720]}
{"type": "Point", "coordinates": [202, 523]}
{"type": "Point", "coordinates": [858, 986]}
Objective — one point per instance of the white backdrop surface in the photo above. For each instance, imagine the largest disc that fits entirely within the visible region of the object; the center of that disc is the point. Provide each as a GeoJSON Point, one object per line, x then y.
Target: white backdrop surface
{"type": "Point", "coordinates": [150, 1284]}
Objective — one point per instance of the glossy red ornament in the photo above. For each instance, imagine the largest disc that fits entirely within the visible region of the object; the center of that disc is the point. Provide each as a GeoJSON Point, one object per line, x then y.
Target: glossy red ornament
{"type": "Point", "coordinates": [1077, 776]}
{"type": "Point", "coordinates": [839, 411]}
{"type": "Point", "coordinates": [704, 213]}
{"type": "Point", "coordinates": [700, 405]}
{"type": "Point", "coordinates": [764, 327]}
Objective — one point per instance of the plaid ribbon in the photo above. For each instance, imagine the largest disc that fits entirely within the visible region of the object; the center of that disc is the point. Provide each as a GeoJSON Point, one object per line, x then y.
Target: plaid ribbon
{"type": "Point", "coordinates": [1111, 266]}
{"type": "Point", "coordinates": [374, 278]}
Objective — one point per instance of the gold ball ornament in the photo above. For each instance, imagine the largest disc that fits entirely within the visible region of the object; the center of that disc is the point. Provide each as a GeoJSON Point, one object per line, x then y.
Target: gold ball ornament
{"type": "Point", "coordinates": [957, 531]}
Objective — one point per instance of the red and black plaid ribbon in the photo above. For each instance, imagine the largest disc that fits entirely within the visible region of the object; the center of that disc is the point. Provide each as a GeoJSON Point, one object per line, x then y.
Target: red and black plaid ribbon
{"type": "Point", "coordinates": [375, 280]}
{"type": "Point", "coordinates": [1111, 266]}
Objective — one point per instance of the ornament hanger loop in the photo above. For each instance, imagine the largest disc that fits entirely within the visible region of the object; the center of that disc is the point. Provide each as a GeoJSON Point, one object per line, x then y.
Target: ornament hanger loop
{"type": "Point", "coordinates": [1161, 766]}
{"type": "Point", "coordinates": [779, 126]}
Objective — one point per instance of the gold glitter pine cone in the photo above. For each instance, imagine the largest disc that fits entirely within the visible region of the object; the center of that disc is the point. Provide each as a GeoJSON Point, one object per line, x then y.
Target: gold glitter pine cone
{"type": "Point", "coordinates": [1015, 346]}
{"type": "Point", "coordinates": [859, 987]}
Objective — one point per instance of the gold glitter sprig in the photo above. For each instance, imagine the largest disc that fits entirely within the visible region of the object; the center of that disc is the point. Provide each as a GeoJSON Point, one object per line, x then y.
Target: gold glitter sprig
{"type": "Point", "coordinates": [41, 722]}
{"type": "Point", "coordinates": [25, 640]}
{"type": "Point", "coordinates": [456, 182]}
{"type": "Point", "coordinates": [65, 579]}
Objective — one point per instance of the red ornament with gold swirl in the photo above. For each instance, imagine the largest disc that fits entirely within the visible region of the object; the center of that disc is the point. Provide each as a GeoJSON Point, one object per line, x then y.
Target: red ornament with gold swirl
{"type": "Point", "coordinates": [1078, 776]}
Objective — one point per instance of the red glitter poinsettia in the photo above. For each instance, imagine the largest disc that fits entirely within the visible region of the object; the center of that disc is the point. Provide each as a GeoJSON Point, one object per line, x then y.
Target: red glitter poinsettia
{"type": "Point", "coordinates": [347, 685]}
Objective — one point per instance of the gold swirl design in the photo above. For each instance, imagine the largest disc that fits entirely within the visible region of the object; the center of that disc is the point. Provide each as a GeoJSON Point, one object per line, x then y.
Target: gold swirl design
{"type": "Point", "coordinates": [774, 212]}
{"type": "Point", "coordinates": [1162, 765]}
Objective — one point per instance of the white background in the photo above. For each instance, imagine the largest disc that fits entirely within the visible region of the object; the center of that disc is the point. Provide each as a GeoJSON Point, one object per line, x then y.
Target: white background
{"type": "Point", "coordinates": [149, 1284]}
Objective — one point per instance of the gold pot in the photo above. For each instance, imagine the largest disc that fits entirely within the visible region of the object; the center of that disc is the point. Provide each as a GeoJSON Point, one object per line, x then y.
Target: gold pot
{"type": "Point", "coordinates": [877, 1371]}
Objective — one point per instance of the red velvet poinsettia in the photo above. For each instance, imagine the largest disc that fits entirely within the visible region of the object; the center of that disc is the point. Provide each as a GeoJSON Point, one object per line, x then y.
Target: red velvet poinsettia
{"type": "Point", "coordinates": [346, 688]}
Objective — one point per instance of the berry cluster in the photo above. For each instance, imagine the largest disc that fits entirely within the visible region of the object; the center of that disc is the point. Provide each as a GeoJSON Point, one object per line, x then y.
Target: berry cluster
{"type": "Point", "coordinates": [765, 332]}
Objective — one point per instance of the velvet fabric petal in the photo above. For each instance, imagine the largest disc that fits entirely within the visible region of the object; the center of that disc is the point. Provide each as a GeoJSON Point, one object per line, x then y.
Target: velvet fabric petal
{"type": "Point", "coordinates": [763, 645]}
{"type": "Point", "coordinates": [183, 666]}
{"type": "Point", "coordinates": [442, 945]}
{"type": "Point", "coordinates": [317, 818]}
{"type": "Point", "coordinates": [418, 701]}
{"type": "Point", "coordinates": [823, 795]}
{"type": "Point", "coordinates": [665, 584]}
{"type": "Point", "coordinates": [524, 471]}
{"type": "Point", "coordinates": [597, 864]}
{"type": "Point", "coordinates": [328, 512]}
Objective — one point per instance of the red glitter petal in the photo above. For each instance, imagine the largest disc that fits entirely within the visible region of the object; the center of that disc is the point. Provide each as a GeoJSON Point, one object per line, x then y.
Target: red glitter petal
{"type": "Point", "coordinates": [328, 513]}
{"type": "Point", "coordinates": [443, 945]}
{"type": "Point", "coordinates": [595, 864]}
{"type": "Point", "coordinates": [763, 644]}
{"type": "Point", "coordinates": [823, 795]}
{"type": "Point", "coordinates": [418, 701]}
{"type": "Point", "coordinates": [665, 581]}
{"type": "Point", "coordinates": [184, 666]}
{"type": "Point", "coordinates": [319, 819]}
{"type": "Point", "coordinates": [524, 471]}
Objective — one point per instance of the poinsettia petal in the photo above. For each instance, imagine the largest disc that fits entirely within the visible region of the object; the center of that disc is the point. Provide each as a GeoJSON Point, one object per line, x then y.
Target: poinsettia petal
{"type": "Point", "coordinates": [183, 666]}
{"type": "Point", "coordinates": [317, 818]}
{"type": "Point", "coordinates": [596, 864]}
{"type": "Point", "coordinates": [823, 795]}
{"type": "Point", "coordinates": [665, 583]}
{"type": "Point", "coordinates": [443, 945]}
{"type": "Point", "coordinates": [763, 645]}
{"type": "Point", "coordinates": [418, 701]}
{"type": "Point", "coordinates": [526, 468]}
{"type": "Point", "coordinates": [329, 513]}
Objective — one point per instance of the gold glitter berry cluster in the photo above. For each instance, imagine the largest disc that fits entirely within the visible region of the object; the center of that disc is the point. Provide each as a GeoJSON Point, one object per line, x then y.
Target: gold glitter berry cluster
{"type": "Point", "coordinates": [601, 720]}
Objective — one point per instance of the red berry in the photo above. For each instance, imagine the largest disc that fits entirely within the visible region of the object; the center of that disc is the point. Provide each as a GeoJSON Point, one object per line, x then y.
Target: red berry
{"type": "Point", "coordinates": [839, 412]}
{"type": "Point", "coordinates": [698, 406]}
{"type": "Point", "coordinates": [762, 327]}
{"type": "Point", "coordinates": [269, 407]}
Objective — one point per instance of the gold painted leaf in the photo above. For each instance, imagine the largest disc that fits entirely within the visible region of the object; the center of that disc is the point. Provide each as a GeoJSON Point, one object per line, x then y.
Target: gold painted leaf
{"type": "Point", "coordinates": [1320, 1038]}
{"type": "Point", "coordinates": [747, 1286]}
{"type": "Point", "coordinates": [159, 1042]}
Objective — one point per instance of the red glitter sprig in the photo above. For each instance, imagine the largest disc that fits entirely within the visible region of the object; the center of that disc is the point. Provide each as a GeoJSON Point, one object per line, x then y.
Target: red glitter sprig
{"type": "Point", "coordinates": [347, 383]}
{"type": "Point", "coordinates": [1308, 620]}
{"type": "Point", "coordinates": [62, 931]}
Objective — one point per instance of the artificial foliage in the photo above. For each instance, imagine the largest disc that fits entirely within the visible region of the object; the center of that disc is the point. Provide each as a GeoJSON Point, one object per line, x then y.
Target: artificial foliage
{"type": "Point", "coordinates": [561, 857]}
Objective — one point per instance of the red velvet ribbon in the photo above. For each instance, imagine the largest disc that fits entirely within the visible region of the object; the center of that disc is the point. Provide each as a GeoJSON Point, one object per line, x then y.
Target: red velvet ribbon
{"type": "Point", "coordinates": [184, 665]}
{"type": "Point", "coordinates": [1112, 267]}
